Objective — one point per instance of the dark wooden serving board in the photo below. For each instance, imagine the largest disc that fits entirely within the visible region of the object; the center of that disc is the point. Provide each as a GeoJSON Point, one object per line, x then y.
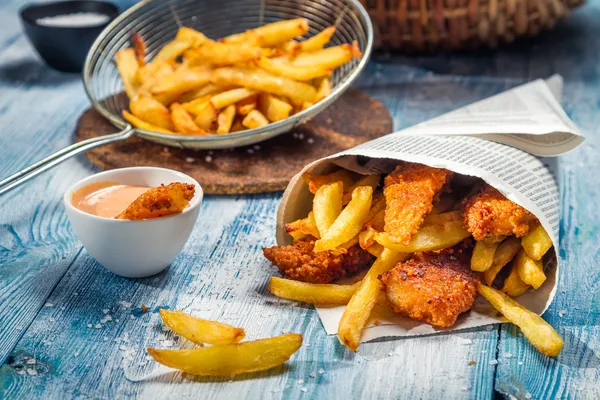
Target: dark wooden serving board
{"type": "Point", "coordinates": [267, 167]}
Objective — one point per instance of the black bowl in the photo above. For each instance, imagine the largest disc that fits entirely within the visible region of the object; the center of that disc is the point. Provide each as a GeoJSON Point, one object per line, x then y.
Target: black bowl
{"type": "Point", "coordinates": [64, 47]}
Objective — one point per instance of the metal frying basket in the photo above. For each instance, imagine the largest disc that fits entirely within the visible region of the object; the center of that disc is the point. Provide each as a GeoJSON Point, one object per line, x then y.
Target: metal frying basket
{"type": "Point", "coordinates": [157, 21]}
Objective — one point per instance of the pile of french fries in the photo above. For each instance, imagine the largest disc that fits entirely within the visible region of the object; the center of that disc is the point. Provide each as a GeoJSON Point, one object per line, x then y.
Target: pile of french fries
{"type": "Point", "coordinates": [227, 356]}
{"type": "Point", "coordinates": [199, 86]}
{"type": "Point", "coordinates": [349, 209]}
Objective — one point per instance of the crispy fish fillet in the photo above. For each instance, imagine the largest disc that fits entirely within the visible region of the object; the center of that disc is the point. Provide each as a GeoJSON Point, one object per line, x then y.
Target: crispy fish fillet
{"type": "Point", "coordinates": [410, 191]}
{"type": "Point", "coordinates": [160, 201]}
{"type": "Point", "coordinates": [433, 287]}
{"type": "Point", "coordinates": [490, 215]}
{"type": "Point", "coordinates": [300, 262]}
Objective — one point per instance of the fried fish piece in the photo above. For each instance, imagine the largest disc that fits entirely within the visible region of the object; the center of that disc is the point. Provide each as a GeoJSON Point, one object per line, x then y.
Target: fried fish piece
{"type": "Point", "coordinates": [298, 261]}
{"type": "Point", "coordinates": [489, 215]}
{"type": "Point", "coordinates": [160, 201]}
{"type": "Point", "coordinates": [433, 287]}
{"type": "Point", "coordinates": [410, 191]}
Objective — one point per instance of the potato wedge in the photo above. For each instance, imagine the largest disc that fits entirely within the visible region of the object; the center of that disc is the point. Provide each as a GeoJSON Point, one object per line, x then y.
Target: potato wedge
{"type": "Point", "coordinates": [199, 330]}
{"type": "Point", "coordinates": [504, 254]}
{"type": "Point", "coordinates": [329, 58]}
{"type": "Point", "coordinates": [539, 333]}
{"type": "Point", "coordinates": [302, 73]}
{"type": "Point", "coordinates": [375, 249]}
{"type": "Point", "coordinates": [150, 73]}
{"type": "Point", "coordinates": [316, 181]}
{"type": "Point", "coordinates": [231, 359]}
{"type": "Point", "coordinates": [186, 34]}
{"type": "Point", "coordinates": [202, 92]}
{"type": "Point", "coordinates": [513, 285]}
{"type": "Point", "coordinates": [428, 238]}
{"type": "Point", "coordinates": [141, 124]}
{"type": "Point", "coordinates": [324, 89]}
{"type": "Point", "coordinates": [225, 119]}
{"type": "Point", "coordinates": [206, 116]}
{"type": "Point", "coordinates": [243, 107]}
{"type": "Point", "coordinates": [183, 122]}
{"type": "Point", "coordinates": [139, 46]}
{"type": "Point", "coordinates": [303, 227]}
{"type": "Point", "coordinates": [536, 243]}
{"type": "Point", "coordinates": [263, 81]}
{"type": "Point", "coordinates": [530, 271]}
{"type": "Point", "coordinates": [350, 221]}
{"type": "Point", "coordinates": [170, 51]}
{"type": "Point", "coordinates": [318, 41]}
{"type": "Point", "coordinates": [483, 255]}
{"type": "Point", "coordinates": [273, 34]}
{"type": "Point", "coordinates": [255, 119]}
{"type": "Point", "coordinates": [313, 293]}
{"type": "Point", "coordinates": [367, 180]}
{"type": "Point", "coordinates": [232, 96]}
{"type": "Point", "coordinates": [182, 80]}
{"type": "Point", "coordinates": [359, 307]}
{"type": "Point", "coordinates": [327, 206]}
{"type": "Point", "coordinates": [366, 237]}
{"type": "Point", "coordinates": [222, 54]}
{"type": "Point", "coordinates": [151, 110]}
{"type": "Point", "coordinates": [273, 108]}
{"type": "Point", "coordinates": [127, 65]}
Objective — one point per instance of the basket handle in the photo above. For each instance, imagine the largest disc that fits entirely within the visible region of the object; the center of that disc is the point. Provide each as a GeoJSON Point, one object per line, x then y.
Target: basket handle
{"type": "Point", "coordinates": [54, 159]}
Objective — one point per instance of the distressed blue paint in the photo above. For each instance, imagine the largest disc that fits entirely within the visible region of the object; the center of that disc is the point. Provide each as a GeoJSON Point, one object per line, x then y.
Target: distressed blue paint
{"type": "Point", "coordinates": [221, 273]}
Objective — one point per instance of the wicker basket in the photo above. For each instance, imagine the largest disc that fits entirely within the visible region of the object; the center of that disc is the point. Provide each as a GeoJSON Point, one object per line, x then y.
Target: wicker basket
{"type": "Point", "coordinates": [434, 25]}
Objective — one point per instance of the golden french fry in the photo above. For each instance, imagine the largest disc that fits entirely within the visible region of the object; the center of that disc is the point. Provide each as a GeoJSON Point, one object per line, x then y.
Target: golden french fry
{"type": "Point", "coordinates": [302, 227]}
{"type": "Point", "coordinates": [303, 73]}
{"type": "Point", "coordinates": [366, 237]}
{"type": "Point", "coordinates": [141, 124]}
{"type": "Point", "coordinates": [231, 359]}
{"type": "Point", "coordinates": [315, 182]}
{"type": "Point", "coordinates": [367, 180]}
{"type": "Point", "coordinates": [127, 65]}
{"type": "Point", "coordinates": [232, 96]}
{"type": "Point", "coordinates": [428, 238]}
{"type": "Point", "coordinates": [202, 92]}
{"type": "Point", "coordinates": [263, 81]}
{"type": "Point", "coordinates": [350, 221]}
{"type": "Point", "coordinates": [206, 116]}
{"type": "Point", "coordinates": [151, 110]}
{"type": "Point", "coordinates": [324, 89]}
{"type": "Point", "coordinates": [504, 253]}
{"type": "Point", "coordinates": [483, 255]}
{"type": "Point", "coordinates": [183, 121]}
{"type": "Point", "coordinates": [359, 307]}
{"type": "Point", "coordinates": [327, 206]}
{"type": "Point", "coordinates": [225, 119]}
{"type": "Point", "coordinates": [196, 106]}
{"type": "Point", "coordinates": [539, 333]}
{"type": "Point", "coordinates": [221, 54]}
{"type": "Point", "coordinates": [182, 80]}
{"type": "Point", "coordinates": [318, 41]}
{"type": "Point", "coordinates": [329, 58]}
{"type": "Point", "coordinates": [442, 218]}
{"type": "Point", "coordinates": [271, 35]}
{"type": "Point", "coordinates": [375, 249]}
{"type": "Point", "coordinates": [513, 285]}
{"type": "Point", "coordinates": [186, 34]}
{"type": "Point", "coordinates": [537, 242]}
{"type": "Point", "coordinates": [199, 330]}
{"type": "Point", "coordinates": [243, 107]}
{"type": "Point", "coordinates": [172, 50]}
{"type": "Point", "coordinates": [255, 119]}
{"type": "Point", "coordinates": [273, 108]}
{"type": "Point", "coordinates": [150, 73]}
{"type": "Point", "coordinates": [377, 212]}
{"type": "Point", "coordinates": [139, 46]}
{"type": "Point", "coordinates": [313, 293]}
{"type": "Point", "coordinates": [530, 271]}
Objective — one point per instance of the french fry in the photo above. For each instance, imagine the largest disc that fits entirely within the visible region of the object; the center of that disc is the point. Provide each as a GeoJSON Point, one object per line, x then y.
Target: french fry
{"type": "Point", "coordinates": [513, 285]}
{"type": "Point", "coordinates": [313, 293]}
{"type": "Point", "coordinates": [199, 330]}
{"type": "Point", "coordinates": [243, 107]}
{"type": "Point", "coordinates": [324, 89]}
{"type": "Point", "coordinates": [183, 80]}
{"type": "Point", "coordinates": [442, 218]}
{"type": "Point", "coordinates": [201, 92]}
{"type": "Point", "coordinates": [237, 125]}
{"type": "Point", "coordinates": [172, 50]}
{"type": "Point", "coordinates": [149, 109]}
{"type": "Point", "coordinates": [428, 238]}
{"type": "Point", "coordinates": [261, 80]}
{"type": "Point", "coordinates": [329, 58]}
{"type": "Point", "coordinates": [139, 47]}
{"type": "Point", "coordinates": [141, 124]}
{"type": "Point", "coordinates": [375, 249]}
{"type": "Point", "coordinates": [255, 119]}
{"type": "Point", "coordinates": [377, 212]}
{"type": "Point", "coordinates": [186, 34]}
{"type": "Point", "coordinates": [206, 116]}
{"type": "Point", "coordinates": [127, 65]}
{"type": "Point", "coordinates": [327, 206]}
{"type": "Point", "coordinates": [359, 307]}
{"type": "Point", "coordinates": [366, 237]}
{"type": "Point", "coordinates": [367, 180]}
{"type": "Point", "coordinates": [232, 96]}
{"type": "Point", "coordinates": [315, 182]}
{"type": "Point", "coordinates": [302, 227]}
{"type": "Point", "coordinates": [225, 119]}
{"type": "Point", "coordinates": [350, 221]}
{"type": "Point", "coordinates": [273, 108]}
{"type": "Point", "coordinates": [302, 73]}
{"type": "Point", "coordinates": [183, 122]}
{"type": "Point", "coordinates": [148, 74]}
{"type": "Point", "coordinates": [483, 255]}
{"type": "Point", "coordinates": [503, 255]}
{"type": "Point", "coordinates": [537, 242]}
{"type": "Point", "coordinates": [231, 359]}
{"type": "Point", "coordinates": [539, 333]}
{"type": "Point", "coordinates": [221, 54]}
{"type": "Point", "coordinates": [318, 41]}
{"type": "Point", "coordinates": [271, 35]}
{"type": "Point", "coordinates": [196, 106]}
{"type": "Point", "coordinates": [530, 271]}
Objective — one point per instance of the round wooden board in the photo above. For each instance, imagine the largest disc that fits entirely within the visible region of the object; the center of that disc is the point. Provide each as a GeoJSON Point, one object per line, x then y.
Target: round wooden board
{"type": "Point", "coordinates": [267, 167]}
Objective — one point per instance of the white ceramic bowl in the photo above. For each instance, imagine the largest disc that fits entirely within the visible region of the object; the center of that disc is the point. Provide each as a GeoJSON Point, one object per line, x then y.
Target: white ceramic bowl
{"type": "Point", "coordinates": [134, 249]}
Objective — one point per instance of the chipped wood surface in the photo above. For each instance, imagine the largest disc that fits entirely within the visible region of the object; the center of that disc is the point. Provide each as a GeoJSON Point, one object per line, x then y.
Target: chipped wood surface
{"type": "Point", "coordinates": [55, 299]}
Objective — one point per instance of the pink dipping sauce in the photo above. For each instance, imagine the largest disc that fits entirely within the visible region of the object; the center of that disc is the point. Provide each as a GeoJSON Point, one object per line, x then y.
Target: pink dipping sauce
{"type": "Point", "coordinates": [106, 199]}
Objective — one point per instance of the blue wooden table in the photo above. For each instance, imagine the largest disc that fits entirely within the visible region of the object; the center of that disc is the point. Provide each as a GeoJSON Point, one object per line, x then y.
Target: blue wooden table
{"type": "Point", "coordinates": [69, 328]}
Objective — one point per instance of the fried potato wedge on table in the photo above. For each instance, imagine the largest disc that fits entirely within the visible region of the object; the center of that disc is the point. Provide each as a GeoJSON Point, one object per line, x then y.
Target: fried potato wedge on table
{"type": "Point", "coordinates": [537, 242]}
{"type": "Point", "coordinates": [327, 206]}
{"type": "Point", "coordinates": [199, 330]}
{"type": "Point", "coordinates": [359, 307]}
{"type": "Point", "coordinates": [483, 255]}
{"type": "Point", "coordinates": [539, 333]}
{"type": "Point", "coordinates": [503, 255]}
{"type": "Point", "coordinates": [530, 271]}
{"type": "Point", "coordinates": [313, 293]}
{"type": "Point", "coordinates": [231, 359]}
{"type": "Point", "coordinates": [160, 202]}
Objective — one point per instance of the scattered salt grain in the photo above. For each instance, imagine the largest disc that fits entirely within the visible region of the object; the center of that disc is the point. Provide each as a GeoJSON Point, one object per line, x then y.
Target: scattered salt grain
{"type": "Point", "coordinates": [19, 328]}
{"type": "Point", "coordinates": [190, 159]}
{"type": "Point", "coordinates": [106, 319]}
{"type": "Point", "coordinates": [51, 319]}
{"type": "Point", "coordinates": [131, 317]}
{"type": "Point", "coordinates": [321, 371]}
{"type": "Point", "coordinates": [125, 304]}
{"type": "Point", "coordinates": [256, 147]}
{"type": "Point", "coordinates": [105, 311]}
{"type": "Point", "coordinates": [105, 339]}
{"type": "Point", "coordinates": [301, 136]}
{"type": "Point", "coordinates": [310, 140]}
{"type": "Point", "coordinates": [89, 325]}
{"type": "Point", "coordinates": [48, 305]}
{"type": "Point", "coordinates": [313, 374]}
{"type": "Point", "coordinates": [31, 371]}
{"type": "Point", "coordinates": [507, 355]}
{"type": "Point", "coordinates": [211, 152]}
{"type": "Point", "coordinates": [75, 354]}
{"type": "Point", "coordinates": [464, 388]}
{"type": "Point", "coordinates": [390, 354]}
{"type": "Point", "coordinates": [466, 342]}
{"type": "Point", "coordinates": [250, 151]}
{"type": "Point", "coordinates": [304, 389]}
{"type": "Point", "coordinates": [79, 19]}
{"type": "Point", "coordinates": [483, 351]}
{"type": "Point", "coordinates": [122, 347]}
{"type": "Point", "coordinates": [155, 279]}
{"type": "Point", "coordinates": [31, 361]}
{"type": "Point", "coordinates": [489, 328]}
{"type": "Point", "coordinates": [493, 362]}
{"type": "Point", "coordinates": [98, 326]}
{"type": "Point", "coordinates": [208, 159]}
{"type": "Point", "coordinates": [75, 294]}
{"type": "Point", "coordinates": [527, 395]}
{"type": "Point", "coordinates": [300, 381]}
{"type": "Point", "coordinates": [562, 313]}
